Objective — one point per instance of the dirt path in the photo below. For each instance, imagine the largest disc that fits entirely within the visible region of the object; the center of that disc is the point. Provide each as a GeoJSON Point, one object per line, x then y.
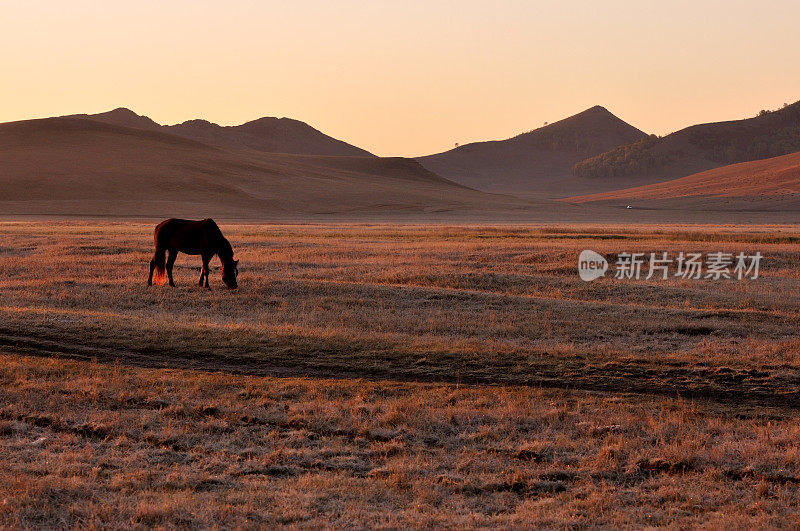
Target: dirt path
{"type": "Point", "coordinates": [773, 387]}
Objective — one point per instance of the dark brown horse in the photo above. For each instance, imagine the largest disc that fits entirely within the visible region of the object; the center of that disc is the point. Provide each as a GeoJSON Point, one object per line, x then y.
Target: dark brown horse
{"type": "Point", "coordinates": [192, 237]}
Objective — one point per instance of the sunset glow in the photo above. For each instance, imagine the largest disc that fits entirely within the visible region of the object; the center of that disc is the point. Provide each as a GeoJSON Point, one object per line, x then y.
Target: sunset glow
{"type": "Point", "coordinates": [408, 78]}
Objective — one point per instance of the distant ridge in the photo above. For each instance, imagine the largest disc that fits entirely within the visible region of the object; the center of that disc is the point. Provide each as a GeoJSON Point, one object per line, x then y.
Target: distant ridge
{"type": "Point", "coordinates": [270, 135]}
{"type": "Point", "coordinates": [534, 163]}
{"type": "Point", "coordinates": [768, 184]}
{"type": "Point", "coordinates": [699, 148]}
{"type": "Point", "coordinates": [76, 166]}
{"type": "Point", "coordinates": [121, 116]}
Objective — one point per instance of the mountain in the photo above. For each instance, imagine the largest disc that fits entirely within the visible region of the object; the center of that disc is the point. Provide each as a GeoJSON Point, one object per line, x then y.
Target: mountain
{"type": "Point", "coordinates": [76, 166]}
{"type": "Point", "coordinates": [534, 163]}
{"type": "Point", "coordinates": [767, 185]}
{"type": "Point", "coordinates": [121, 116]}
{"type": "Point", "coordinates": [270, 135]}
{"type": "Point", "coordinates": [699, 148]}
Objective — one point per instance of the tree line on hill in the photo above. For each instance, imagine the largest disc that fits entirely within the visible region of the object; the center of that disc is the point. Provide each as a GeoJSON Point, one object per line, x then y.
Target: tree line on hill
{"type": "Point", "coordinates": [634, 158]}
{"type": "Point", "coordinates": [726, 147]}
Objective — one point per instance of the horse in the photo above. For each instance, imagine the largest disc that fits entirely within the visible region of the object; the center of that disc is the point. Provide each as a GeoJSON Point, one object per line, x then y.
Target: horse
{"type": "Point", "coordinates": [191, 237]}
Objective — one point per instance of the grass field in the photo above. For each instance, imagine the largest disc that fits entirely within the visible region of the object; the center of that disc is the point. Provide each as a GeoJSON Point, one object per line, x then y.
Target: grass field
{"type": "Point", "coordinates": [396, 375]}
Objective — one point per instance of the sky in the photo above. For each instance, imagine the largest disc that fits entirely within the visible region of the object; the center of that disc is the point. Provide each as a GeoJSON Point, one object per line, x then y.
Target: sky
{"type": "Point", "coordinates": [401, 78]}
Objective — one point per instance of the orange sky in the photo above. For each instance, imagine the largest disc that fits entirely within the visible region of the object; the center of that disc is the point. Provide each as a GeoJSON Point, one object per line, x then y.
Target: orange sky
{"type": "Point", "coordinates": [401, 78]}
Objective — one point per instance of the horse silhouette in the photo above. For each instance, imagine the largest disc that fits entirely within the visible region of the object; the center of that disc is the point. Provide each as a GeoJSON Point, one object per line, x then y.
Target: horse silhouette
{"type": "Point", "coordinates": [195, 238]}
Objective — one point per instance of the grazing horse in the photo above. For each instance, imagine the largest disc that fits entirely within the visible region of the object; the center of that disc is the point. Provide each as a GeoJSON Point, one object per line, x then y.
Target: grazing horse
{"type": "Point", "coordinates": [192, 237]}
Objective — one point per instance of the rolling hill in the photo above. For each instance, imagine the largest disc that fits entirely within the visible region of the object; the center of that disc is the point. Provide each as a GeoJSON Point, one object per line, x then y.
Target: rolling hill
{"type": "Point", "coordinates": [699, 148]}
{"type": "Point", "coordinates": [768, 185]}
{"type": "Point", "coordinates": [77, 166]}
{"type": "Point", "coordinates": [270, 135]}
{"type": "Point", "coordinates": [538, 163]}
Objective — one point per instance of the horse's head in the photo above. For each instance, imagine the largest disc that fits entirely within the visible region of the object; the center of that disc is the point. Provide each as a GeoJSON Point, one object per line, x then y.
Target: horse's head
{"type": "Point", "coordinates": [230, 270]}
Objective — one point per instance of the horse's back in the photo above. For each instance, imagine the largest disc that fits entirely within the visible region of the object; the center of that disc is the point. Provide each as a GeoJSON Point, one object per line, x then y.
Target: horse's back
{"type": "Point", "coordinates": [167, 228]}
{"type": "Point", "coordinates": [185, 235]}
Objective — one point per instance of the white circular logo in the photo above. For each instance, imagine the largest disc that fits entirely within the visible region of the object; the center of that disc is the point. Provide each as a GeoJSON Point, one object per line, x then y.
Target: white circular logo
{"type": "Point", "coordinates": [591, 265]}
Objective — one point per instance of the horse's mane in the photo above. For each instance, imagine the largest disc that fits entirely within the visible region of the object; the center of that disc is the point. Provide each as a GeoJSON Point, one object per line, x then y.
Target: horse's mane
{"type": "Point", "coordinates": [225, 249]}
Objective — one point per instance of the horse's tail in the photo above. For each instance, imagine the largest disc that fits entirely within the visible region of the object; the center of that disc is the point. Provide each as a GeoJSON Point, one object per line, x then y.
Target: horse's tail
{"type": "Point", "coordinates": [160, 272]}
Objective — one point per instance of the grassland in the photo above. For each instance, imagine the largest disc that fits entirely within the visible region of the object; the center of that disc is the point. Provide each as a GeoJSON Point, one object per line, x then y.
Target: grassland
{"type": "Point", "coordinates": [396, 375]}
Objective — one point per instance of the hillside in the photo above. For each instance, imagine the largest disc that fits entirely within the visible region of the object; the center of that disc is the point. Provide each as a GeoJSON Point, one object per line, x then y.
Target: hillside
{"type": "Point", "coordinates": [700, 147]}
{"type": "Point", "coordinates": [536, 163]}
{"type": "Point", "coordinates": [75, 166]}
{"type": "Point", "coordinates": [121, 116]}
{"type": "Point", "coordinates": [270, 135]}
{"type": "Point", "coordinates": [769, 184]}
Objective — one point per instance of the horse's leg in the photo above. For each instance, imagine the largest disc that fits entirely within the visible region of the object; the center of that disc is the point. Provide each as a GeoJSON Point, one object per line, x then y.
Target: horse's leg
{"type": "Point", "coordinates": [173, 254]}
{"type": "Point", "coordinates": [152, 268]}
{"type": "Point", "coordinates": [206, 260]}
{"type": "Point", "coordinates": [203, 272]}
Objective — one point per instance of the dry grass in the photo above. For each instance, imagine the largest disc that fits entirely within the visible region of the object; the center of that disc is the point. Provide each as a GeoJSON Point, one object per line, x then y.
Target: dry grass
{"type": "Point", "coordinates": [121, 445]}
{"type": "Point", "coordinates": [89, 444]}
{"type": "Point", "coordinates": [470, 304]}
